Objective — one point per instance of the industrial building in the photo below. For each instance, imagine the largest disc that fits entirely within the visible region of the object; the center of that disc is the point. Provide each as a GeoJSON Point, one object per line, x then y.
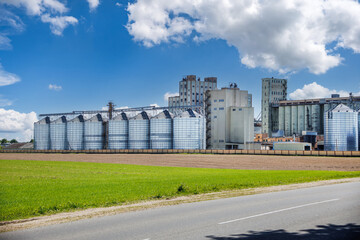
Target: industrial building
{"type": "Point", "coordinates": [273, 91]}
{"type": "Point", "coordinates": [132, 128]}
{"type": "Point", "coordinates": [230, 118]}
{"type": "Point", "coordinates": [192, 91]}
{"type": "Point", "coordinates": [341, 129]}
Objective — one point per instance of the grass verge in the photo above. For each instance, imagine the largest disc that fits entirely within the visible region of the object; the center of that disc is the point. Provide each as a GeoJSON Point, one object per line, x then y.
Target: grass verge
{"type": "Point", "coordinates": [34, 188]}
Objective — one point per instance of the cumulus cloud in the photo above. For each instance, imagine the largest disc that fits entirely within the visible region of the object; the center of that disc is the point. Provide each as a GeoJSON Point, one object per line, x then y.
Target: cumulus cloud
{"type": "Point", "coordinates": [169, 94]}
{"type": "Point", "coordinates": [10, 24]}
{"type": "Point", "coordinates": [55, 87]}
{"type": "Point", "coordinates": [93, 4]}
{"type": "Point", "coordinates": [7, 78]}
{"type": "Point", "coordinates": [59, 23]}
{"type": "Point", "coordinates": [282, 35]}
{"type": "Point", "coordinates": [314, 90]}
{"type": "Point", "coordinates": [21, 124]}
{"type": "Point", "coordinates": [50, 11]}
{"type": "Point", "coordinates": [5, 102]}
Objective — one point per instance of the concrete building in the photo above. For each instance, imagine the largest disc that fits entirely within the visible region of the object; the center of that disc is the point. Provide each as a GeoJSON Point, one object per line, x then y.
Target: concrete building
{"type": "Point", "coordinates": [273, 91]}
{"type": "Point", "coordinates": [296, 116]}
{"type": "Point", "coordinates": [192, 91]}
{"type": "Point", "coordinates": [293, 146]}
{"type": "Point", "coordinates": [230, 118]}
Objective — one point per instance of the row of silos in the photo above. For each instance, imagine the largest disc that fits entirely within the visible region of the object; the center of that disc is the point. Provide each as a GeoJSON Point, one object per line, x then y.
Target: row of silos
{"type": "Point", "coordinates": [297, 118]}
{"type": "Point", "coordinates": [163, 131]}
{"type": "Point", "coordinates": [341, 129]}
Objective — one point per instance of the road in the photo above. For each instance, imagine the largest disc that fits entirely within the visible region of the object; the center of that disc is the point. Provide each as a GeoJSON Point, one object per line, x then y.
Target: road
{"type": "Point", "coordinates": [326, 212]}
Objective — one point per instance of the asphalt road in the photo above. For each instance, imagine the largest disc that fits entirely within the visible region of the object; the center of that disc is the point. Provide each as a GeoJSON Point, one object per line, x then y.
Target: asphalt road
{"type": "Point", "coordinates": [326, 212]}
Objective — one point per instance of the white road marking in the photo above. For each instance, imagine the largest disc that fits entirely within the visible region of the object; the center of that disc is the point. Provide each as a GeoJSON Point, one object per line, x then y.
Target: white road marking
{"type": "Point", "coordinates": [280, 210]}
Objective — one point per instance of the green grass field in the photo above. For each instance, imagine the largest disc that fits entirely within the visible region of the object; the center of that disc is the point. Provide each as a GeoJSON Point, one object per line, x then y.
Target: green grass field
{"type": "Point", "coordinates": [33, 188]}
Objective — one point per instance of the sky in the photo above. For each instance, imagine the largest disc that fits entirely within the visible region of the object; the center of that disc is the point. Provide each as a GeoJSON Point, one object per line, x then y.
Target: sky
{"type": "Point", "coordinates": [66, 55]}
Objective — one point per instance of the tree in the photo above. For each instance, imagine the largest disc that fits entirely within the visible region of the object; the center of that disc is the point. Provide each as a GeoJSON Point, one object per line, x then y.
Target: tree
{"type": "Point", "coordinates": [13, 141]}
{"type": "Point", "coordinates": [4, 140]}
{"type": "Point", "coordinates": [32, 140]}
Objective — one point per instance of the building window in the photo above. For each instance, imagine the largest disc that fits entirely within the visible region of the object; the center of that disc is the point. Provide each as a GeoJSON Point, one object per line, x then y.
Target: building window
{"type": "Point", "coordinates": [215, 116]}
{"type": "Point", "coordinates": [221, 141]}
{"type": "Point", "coordinates": [215, 109]}
{"type": "Point", "coordinates": [221, 100]}
{"type": "Point", "coordinates": [215, 100]}
{"type": "Point", "coordinates": [221, 108]}
{"type": "Point", "coordinates": [234, 110]}
{"type": "Point", "coordinates": [240, 109]}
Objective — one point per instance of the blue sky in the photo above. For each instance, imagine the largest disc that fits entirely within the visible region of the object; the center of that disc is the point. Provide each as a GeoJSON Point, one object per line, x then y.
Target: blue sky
{"type": "Point", "coordinates": [97, 58]}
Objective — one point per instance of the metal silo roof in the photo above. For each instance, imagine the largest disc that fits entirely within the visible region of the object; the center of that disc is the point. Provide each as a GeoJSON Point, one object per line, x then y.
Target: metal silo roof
{"type": "Point", "coordinates": [163, 115]}
{"type": "Point", "coordinates": [96, 118]}
{"type": "Point", "coordinates": [60, 120]}
{"type": "Point", "coordinates": [342, 108]}
{"type": "Point", "coordinates": [79, 118]}
{"type": "Point", "coordinates": [189, 114]}
{"type": "Point", "coordinates": [121, 116]}
{"type": "Point", "coordinates": [141, 116]}
{"type": "Point", "coordinates": [45, 120]}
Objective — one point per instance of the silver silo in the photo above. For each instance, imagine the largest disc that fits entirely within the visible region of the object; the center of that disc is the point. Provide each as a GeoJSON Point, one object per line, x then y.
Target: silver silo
{"type": "Point", "coordinates": [118, 132]}
{"type": "Point", "coordinates": [281, 118]}
{"type": "Point", "coordinates": [341, 129]}
{"type": "Point", "coordinates": [288, 121]}
{"type": "Point", "coordinates": [189, 131]}
{"type": "Point", "coordinates": [139, 131]}
{"type": "Point", "coordinates": [94, 133]}
{"type": "Point", "coordinates": [75, 133]}
{"type": "Point", "coordinates": [58, 134]}
{"type": "Point", "coordinates": [161, 131]}
{"type": "Point", "coordinates": [42, 134]}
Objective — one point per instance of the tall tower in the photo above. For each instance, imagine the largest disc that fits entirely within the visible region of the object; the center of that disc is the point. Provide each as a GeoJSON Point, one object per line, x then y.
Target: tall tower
{"type": "Point", "coordinates": [273, 91]}
{"type": "Point", "coordinates": [192, 91]}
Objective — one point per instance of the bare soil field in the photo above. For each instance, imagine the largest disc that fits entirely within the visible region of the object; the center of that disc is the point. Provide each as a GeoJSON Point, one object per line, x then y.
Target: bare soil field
{"type": "Point", "coordinates": [261, 162]}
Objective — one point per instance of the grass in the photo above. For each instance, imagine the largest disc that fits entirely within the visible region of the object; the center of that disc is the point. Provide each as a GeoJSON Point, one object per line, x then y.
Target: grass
{"type": "Point", "coordinates": [33, 188]}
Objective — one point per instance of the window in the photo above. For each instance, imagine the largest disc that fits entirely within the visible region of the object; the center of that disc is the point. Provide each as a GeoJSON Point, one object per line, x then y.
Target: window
{"type": "Point", "coordinates": [221, 100]}
{"type": "Point", "coordinates": [234, 110]}
{"type": "Point", "coordinates": [215, 109]}
{"type": "Point", "coordinates": [215, 100]}
{"type": "Point", "coordinates": [215, 116]}
{"type": "Point", "coordinates": [221, 141]}
{"type": "Point", "coordinates": [221, 108]}
{"type": "Point", "coordinates": [240, 109]}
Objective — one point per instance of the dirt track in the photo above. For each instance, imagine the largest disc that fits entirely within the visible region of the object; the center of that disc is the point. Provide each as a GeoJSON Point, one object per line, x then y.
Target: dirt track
{"type": "Point", "coordinates": [204, 161]}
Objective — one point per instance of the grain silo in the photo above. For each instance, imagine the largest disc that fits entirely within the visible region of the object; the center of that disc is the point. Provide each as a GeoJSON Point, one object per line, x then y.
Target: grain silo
{"type": "Point", "coordinates": [75, 133]}
{"type": "Point", "coordinates": [189, 131]}
{"type": "Point", "coordinates": [294, 120]}
{"type": "Point", "coordinates": [42, 134]}
{"type": "Point", "coordinates": [58, 134]}
{"type": "Point", "coordinates": [301, 118]}
{"type": "Point", "coordinates": [118, 132]}
{"type": "Point", "coordinates": [161, 131]}
{"type": "Point", "coordinates": [288, 121]}
{"type": "Point", "coordinates": [341, 129]}
{"type": "Point", "coordinates": [281, 118]}
{"type": "Point", "coordinates": [315, 117]}
{"type": "Point", "coordinates": [94, 133]}
{"type": "Point", "coordinates": [139, 131]}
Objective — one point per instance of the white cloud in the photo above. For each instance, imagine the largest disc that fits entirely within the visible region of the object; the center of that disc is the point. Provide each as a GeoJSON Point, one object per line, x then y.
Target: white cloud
{"type": "Point", "coordinates": [314, 90]}
{"type": "Point", "coordinates": [7, 78]}
{"type": "Point", "coordinates": [10, 24]}
{"type": "Point", "coordinates": [50, 11]}
{"type": "Point", "coordinates": [58, 24]}
{"type": "Point", "coordinates": [169, 94]}
{"type": "Point", "coordinates": [282, 35]}
{"type": "Point", "coordinates": [21, 124]}
{"type": "Point", "coordinates": [55, 87]}
{"type": "Point", "coordinates": [93, 4]}
{"type": "Point", "coordinates": [118, 4]}
{"type": "Point", "coordinates": [5, 102]}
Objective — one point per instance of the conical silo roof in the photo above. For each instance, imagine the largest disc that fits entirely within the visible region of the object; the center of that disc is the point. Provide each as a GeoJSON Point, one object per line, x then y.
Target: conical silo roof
{"type": "Point", "coordinates": [60, 120]}
{"type": "Point", "coordinates": [189, 114]}
{"type": "Point", "coordinates": [163, 115]}
{"type": "Point", "coordinates": [121, 116]}
{"type": "Point", "coordinates": [79, 118]}
{"type": "Point", "coordinates": [45, 120]}
{"type": "Point", "coordinates": [141, 116]}
{"type": "Point", "coordinates": [342, 108]}
{"type": "Point", "coordinates": [96, 118]}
